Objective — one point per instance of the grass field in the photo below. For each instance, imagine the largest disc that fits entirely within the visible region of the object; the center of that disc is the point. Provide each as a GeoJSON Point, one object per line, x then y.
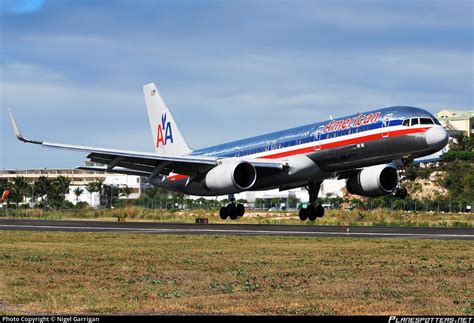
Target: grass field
{"type": "Point", "coordinates": [49, 272]}
{"type": "Point", "coordinates": [378, 217]}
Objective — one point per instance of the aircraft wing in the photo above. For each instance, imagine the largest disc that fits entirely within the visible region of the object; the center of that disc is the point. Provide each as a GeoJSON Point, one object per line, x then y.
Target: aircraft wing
{"type": "Point", "coordinates": [144, 163]}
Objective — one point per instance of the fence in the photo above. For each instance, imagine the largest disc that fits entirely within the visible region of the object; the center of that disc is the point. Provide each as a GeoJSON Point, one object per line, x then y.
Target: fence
{"type": "Point", "coordinates": [392, 205]}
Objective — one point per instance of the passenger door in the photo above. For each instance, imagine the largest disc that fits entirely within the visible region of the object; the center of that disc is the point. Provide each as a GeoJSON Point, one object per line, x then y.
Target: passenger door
{"type": "Point", "coordinates": [317, 138]}
{"type": "Point", "coordinates": [385, 125]}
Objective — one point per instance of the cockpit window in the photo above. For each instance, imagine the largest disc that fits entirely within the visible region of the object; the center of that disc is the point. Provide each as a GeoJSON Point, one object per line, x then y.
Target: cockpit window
{"type": "Point", "coordinates": [414, 121]}
{"type": "Point", "coordinates": [406, 122]}
{"type": "Point", "coordinates": [426, 121]}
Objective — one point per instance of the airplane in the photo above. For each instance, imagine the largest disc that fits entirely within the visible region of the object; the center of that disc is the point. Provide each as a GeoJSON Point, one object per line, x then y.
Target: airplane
{"type": "Point", "coordinates": [365, 148]}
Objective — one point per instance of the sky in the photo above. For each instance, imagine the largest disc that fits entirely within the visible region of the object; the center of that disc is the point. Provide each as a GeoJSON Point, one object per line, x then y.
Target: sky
{"type": "Point", "coordinates": [73, 70]}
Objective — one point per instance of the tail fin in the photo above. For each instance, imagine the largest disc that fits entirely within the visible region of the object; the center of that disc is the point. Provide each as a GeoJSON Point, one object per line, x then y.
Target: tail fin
{"type": "Point", "coordinates": [167, 137]}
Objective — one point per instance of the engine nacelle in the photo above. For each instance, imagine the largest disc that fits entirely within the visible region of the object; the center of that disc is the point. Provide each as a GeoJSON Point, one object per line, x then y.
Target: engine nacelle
{"type": "Point", "coordinates": [373, 181]}
{"type": "Point", "coordinates": [231, 176]}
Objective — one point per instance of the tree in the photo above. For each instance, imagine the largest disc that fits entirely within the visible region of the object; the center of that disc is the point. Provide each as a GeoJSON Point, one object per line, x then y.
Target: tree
{"type": "Point", "coordinates": [78, 192]}
{"type": "Point", "coordinates": [94, 187]}
{"type": "Point", "coordinates": [111, 192]}
{"type": "Point", "coordinates": [459, 180]}
{"type": "Point", "coordinates": [19, 190]}
{"type": "Point", "coordinates": [458, 166]}
{"type": "Point", "coordinates": [4, 184]}
{"type": "Point", "coordinates": [57, 193]}
{"type": "Point", "coordinates": [461, 143]}
{"type": "Point", "coordinates": [42, 186]}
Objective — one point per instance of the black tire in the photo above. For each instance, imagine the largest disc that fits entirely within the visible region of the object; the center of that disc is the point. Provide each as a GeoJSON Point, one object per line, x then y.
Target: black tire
{"type": "Point", "coordinates": [403, 193]}
{"type": "Point", "coordinates": [303, 214]}
{"type": "Point", "coordinates": [312, 214]}
{"type": "Point", "coordinates": [240, 210]}
{"type": "Point", "coordinates": [319, 210]}
{"type": "Point", "coordinates": [232, 211]}
{"type": "Point", "coordinates": [224, 213]}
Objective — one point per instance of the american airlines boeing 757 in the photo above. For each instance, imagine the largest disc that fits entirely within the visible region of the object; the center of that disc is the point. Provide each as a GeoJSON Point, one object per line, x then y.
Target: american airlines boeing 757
{"type": "Point", "coordinates": [364, 148]}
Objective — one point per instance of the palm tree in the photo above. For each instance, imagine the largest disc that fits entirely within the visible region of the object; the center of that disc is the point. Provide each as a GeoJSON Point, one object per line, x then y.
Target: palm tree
{"type": "Point", "coordinates": [78, 192]}
{"type": "Point", "coordinates": [94, 187]}
{"type": "Point", "coordinates": [20, 189]}
{"type": "Point", "coordinates": [63, 184]}
{"type": "Point", "coordinates": [42, 186]}
{"type": "Point", "coordinates": [110, 192]}
{"type": "Point", "coordinates": [4, 184]}
{"type": "Point", "coordinates": [59, 189]}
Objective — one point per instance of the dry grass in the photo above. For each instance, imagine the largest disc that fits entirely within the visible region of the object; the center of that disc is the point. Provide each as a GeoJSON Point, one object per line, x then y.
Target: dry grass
{"type": "Point", "coordinates": [124, 273]}
{"type": "Point", "coordinates": [378, 217]}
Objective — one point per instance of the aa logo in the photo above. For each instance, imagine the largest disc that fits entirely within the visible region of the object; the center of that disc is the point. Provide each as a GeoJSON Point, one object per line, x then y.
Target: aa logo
{"type": "Point", "coordinates": [166, 128]}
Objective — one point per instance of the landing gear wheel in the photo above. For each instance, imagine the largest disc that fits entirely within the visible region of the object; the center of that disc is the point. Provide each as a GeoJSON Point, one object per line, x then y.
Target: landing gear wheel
{"type": "Point", "coordinates": [303, 214]}
{"type": "Point", "coordinates": [232, 211]}
{"type": "Point", "coordinates": [312, 213]}
{"type": "Point", "coordinates": [240, 209]}
{"type": "Point", "coordinates": [319, 210]}
{"type": "Point", "coordinates": [224, 213]}
{"type": "Point", "coordinates": [401, 193]}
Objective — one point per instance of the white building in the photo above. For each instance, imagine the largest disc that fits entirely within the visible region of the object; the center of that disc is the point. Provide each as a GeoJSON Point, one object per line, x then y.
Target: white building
{"type": "Point", "coordinates": [79, 179]}
{"type": "Point", "coordinates": [457, 121]}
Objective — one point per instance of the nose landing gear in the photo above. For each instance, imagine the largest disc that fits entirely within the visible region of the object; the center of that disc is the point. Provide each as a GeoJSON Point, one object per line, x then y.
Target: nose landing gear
{"type": "Point", "coordinates": [400, 192]}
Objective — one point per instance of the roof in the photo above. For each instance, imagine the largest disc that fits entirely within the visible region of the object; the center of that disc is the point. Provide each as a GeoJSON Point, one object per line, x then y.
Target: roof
{"type": "Point", "coordinates": [455, 114]}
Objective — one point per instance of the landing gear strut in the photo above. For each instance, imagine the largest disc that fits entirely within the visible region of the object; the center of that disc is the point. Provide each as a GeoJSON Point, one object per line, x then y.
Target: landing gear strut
{"type": "Point", "coordinates": [313, 211]}
{"type": "Point", "coordinates": [232, 210]}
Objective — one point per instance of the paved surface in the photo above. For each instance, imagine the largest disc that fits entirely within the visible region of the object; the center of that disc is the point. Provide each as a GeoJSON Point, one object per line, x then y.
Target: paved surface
{"type": "Point", "coordinates": [238, 229]}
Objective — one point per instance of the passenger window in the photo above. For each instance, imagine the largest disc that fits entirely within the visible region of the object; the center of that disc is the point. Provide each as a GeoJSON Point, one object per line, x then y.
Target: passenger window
{"type": "Point", "coordinates": [414, 121]}
{"type": "Point", "coordinates": [426, 121]}
{"type": "Point", "coordinates": [406, 123]}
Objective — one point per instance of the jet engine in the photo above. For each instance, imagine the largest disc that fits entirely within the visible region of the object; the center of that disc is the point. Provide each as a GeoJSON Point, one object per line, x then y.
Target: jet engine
{"type": "Point", "coordinates": [231, 176]}
{"type": "Point", "coordinates": [373, 181]}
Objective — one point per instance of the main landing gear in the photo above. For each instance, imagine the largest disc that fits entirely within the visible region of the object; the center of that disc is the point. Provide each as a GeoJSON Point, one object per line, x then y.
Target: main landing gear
{"type": "Point", "coordinates": [313, 211]}
{"type": "Point", "coordinates": [232, 210]}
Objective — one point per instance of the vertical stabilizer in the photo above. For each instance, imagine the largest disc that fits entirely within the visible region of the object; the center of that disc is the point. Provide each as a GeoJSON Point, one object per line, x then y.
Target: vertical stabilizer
{"type": "Point", "coordinates": [167, 138]}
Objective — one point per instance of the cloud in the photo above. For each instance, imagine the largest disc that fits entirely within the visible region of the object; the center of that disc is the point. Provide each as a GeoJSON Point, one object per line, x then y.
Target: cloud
{"type": "Point", "coordinates": [370, 14]}
{"type": "Point", "coordinates": [20, 6]}
{"type": "Point", "coordinates": [73, 73]}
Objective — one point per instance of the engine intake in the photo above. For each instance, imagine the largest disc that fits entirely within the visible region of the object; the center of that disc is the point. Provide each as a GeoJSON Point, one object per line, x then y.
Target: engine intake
{"type": "Point", "coordinates": [231, 176]}
{"type": "Point", "coordinates": [373, 181]}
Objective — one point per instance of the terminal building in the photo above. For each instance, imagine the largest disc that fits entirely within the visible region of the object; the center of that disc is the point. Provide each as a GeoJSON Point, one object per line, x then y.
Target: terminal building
{"type": "Point", "coordinates": [79, 179]}
{"type": "Point", "coordinates": [457, 121]}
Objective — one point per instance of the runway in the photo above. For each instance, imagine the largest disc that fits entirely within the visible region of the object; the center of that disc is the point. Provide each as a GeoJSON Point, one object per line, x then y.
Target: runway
{"type": "Point", "coordinates": [238, 229]}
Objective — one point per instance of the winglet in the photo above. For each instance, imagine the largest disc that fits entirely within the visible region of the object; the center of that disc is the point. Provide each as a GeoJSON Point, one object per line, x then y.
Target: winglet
{"type": "Point", "coordinates": [18, 132]}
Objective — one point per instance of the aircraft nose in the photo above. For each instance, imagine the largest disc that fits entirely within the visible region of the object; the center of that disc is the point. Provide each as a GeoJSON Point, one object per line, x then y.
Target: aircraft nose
{"type": "Point", "coordinates": [437, 137]}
